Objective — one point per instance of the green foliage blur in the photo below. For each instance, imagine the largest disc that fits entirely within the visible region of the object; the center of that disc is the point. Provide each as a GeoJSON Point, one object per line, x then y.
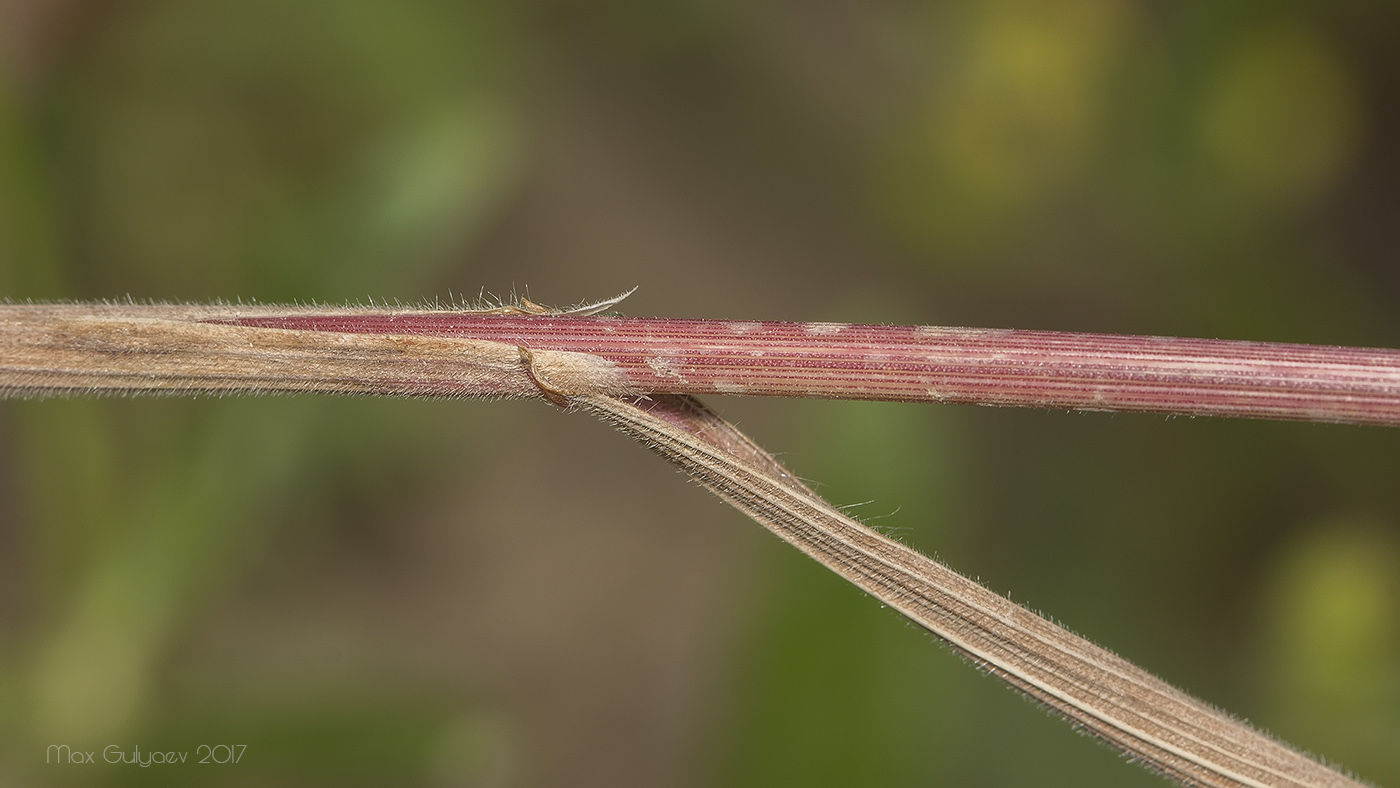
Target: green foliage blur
{"type": "Point", "coordinates": [375, 592]}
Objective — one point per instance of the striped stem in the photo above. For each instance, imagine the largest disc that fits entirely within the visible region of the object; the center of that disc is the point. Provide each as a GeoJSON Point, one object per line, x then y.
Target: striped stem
{"type": "Point", "coordinates": [1038, 369]}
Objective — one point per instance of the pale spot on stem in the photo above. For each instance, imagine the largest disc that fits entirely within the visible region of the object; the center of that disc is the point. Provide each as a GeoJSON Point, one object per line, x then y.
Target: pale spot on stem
{"type": "Point", "coordinates": [664, 367]}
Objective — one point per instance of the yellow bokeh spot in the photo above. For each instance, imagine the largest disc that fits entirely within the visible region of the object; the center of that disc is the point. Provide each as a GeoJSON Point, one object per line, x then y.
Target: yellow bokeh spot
{"type": "Point", "coordinates": [1336, 614]}
{"type": "Point", "coordinates": [1027, 101]}
{"type": "Point", "coordinates": [1013, 115]}
{"type": "Point", "coordinates": [1331, 658]}
{"type": "Point", "coordinates": [1282, 118]}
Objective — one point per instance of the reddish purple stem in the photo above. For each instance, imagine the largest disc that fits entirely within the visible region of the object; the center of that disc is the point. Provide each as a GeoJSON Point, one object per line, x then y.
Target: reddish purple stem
{"type": "Point", "coordinates": [1039, 369]}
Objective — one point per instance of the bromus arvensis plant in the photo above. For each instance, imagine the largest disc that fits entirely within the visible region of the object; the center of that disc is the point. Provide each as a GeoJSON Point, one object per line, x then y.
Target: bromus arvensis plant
{"type": "Point", "coordinates": [641, 375]}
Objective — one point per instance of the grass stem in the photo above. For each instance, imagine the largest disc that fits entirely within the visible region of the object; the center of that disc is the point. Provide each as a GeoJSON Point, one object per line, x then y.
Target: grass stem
{"type": "Point", "coordinates": [417, 352]}
{"type": "Point", "coordinates": [639, 374]}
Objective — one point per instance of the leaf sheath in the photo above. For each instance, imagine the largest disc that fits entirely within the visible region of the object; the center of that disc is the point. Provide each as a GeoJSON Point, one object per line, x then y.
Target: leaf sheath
{"type": "Point", "coordinates": [1165, 729]}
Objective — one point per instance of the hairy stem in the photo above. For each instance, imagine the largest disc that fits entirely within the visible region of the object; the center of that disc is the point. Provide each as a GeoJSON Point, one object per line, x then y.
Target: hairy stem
{"type": "Point", "coordinates": [638, 375]}
{"type": "Point", "coordinates": [1161, 727]}
{"type": "Point", "coordinates": [1040, 369]}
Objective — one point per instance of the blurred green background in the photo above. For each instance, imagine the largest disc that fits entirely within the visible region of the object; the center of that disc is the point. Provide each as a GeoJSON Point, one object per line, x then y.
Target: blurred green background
{"type": "Point", "coordinates": [375, 592]}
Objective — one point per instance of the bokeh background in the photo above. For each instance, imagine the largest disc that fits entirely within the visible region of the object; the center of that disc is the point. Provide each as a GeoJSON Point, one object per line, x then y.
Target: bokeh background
{"type": "Point", "coordinates": [375, 592]}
